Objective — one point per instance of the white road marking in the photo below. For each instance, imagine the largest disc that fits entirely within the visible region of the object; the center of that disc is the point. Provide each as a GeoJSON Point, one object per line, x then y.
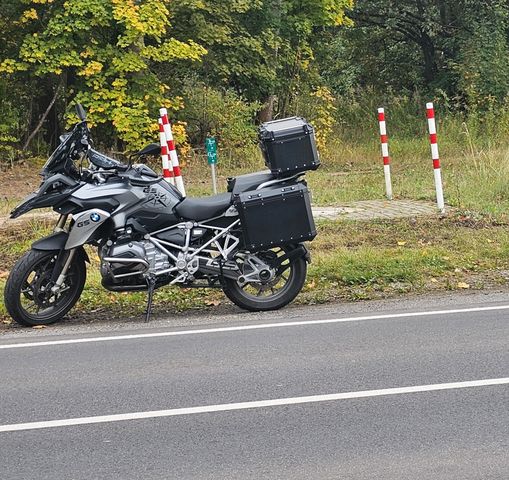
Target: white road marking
{"type": "Point", "coordinates": [249, 405]}
{"type": "Point", "coordinates": [252, 327]}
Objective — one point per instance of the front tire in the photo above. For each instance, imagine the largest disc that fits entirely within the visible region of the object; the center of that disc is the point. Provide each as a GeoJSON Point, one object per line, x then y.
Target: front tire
{"type": "Point", "coordinates": [274, 295]}
{"type": "Point", "coordinates": [27, 294]}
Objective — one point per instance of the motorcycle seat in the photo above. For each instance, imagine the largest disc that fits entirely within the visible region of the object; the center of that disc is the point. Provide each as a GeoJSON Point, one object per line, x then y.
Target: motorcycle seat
{"type": "Point", "coordinates": [203, 208]}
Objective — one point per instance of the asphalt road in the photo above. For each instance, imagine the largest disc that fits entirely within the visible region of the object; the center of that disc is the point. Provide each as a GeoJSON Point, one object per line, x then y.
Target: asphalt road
{"type": "Point", "coordinates": [83, 381]}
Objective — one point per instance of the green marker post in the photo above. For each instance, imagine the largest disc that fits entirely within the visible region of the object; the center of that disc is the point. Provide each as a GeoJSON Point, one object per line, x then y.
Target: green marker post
{"type": "Point", "coordinates": [211, 148]}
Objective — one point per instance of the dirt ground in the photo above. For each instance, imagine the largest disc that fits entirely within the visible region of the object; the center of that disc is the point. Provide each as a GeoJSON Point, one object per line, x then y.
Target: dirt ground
{"type": "Point", "coordinates": [17, 182]}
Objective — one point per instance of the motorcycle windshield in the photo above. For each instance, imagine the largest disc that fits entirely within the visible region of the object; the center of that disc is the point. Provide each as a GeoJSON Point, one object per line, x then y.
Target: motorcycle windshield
{"type": "Point", "coordinates": [60, 160]}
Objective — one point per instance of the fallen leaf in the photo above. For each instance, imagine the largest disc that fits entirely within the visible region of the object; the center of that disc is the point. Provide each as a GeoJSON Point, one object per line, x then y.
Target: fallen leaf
{"type": "Point", "coordinates": [433, 280]}
{"type": "Point", "coordinates": [401, 244]}
{"type": "Point", "coordinates": [38, 327]}
{"type": "Point", "coordinates": [312, 284]}
{"type": "Point", "coordinates": [489, 241]}
{"type": "Point", "coordinates": [213, 303]}
{"type": "Point", "coordinates": [463, 285]}
{"type": "Point", "coordinates": [446, 259]}
{"type": "Point", "coordinates": [457, 270]}
{"type": "Point", "coordinates": [4, 273]}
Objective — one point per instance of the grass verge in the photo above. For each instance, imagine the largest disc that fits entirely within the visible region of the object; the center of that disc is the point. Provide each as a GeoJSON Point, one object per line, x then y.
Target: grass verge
{"type": "Point", "coordinates": [351, 261]}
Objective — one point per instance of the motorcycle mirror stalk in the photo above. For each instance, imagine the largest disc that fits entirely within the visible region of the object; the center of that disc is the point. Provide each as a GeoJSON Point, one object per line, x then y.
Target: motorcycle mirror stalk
{"type": "Point", "coordinates": [153, 149]}
{"type": "Point", "coordinates": [80, 111]}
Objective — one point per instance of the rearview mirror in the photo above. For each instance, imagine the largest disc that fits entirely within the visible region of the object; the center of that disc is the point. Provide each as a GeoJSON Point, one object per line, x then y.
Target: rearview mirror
{"type": "Point", "coordinates": [152, 149]}
{"type": "Point", "coordinates": [82, 115]}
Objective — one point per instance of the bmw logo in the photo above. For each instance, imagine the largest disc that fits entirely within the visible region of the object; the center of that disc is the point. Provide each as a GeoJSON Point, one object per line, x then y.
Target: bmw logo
{"type": "Point", "coordinates": [95, 217]}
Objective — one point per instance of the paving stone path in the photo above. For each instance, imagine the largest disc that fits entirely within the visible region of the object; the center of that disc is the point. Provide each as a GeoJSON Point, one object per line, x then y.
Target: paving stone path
{"type": "Point", "coordinates": [364, 210]}
{"type": "Point", "coordinates": [377, 209]}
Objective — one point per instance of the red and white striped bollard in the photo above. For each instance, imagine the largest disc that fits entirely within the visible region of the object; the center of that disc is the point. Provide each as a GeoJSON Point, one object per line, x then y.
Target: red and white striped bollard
{"type": "Point", "coordinates": [435, 156]}
{"type": "Point", "coordinates": [167, 170]}
{"type": "Point", "coordinates": [385, 152]}
{"type": "Point", "coordinates": [179, 182]}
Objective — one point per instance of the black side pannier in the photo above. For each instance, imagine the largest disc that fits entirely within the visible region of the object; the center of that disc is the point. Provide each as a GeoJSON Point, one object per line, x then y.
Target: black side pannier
{"type": "Point", "coordinates": [273, 217]}
{"type": "Point", "coordinates": [289, 146]}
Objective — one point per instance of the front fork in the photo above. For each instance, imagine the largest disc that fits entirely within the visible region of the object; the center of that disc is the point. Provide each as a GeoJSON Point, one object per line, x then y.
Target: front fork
{"type": "Point", "coordinates": [59, 281]}
{"type": "Point", "coordinates": [60, 225]}
{"type": "Point", "coordinates": [63, 273]}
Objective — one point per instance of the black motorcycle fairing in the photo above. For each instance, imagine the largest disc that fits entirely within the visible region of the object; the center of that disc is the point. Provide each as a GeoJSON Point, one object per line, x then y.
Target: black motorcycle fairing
{"type": "Point", "coordinates": [147, 206]}
{"type": "Point", "coordinates": [177, 236]}
{"type": "Point", "coordinates": [142, 169]}
{"type": "Point", "coordinates": [155, 210]}
{"type": "Point", "coordinates": [24, 207]}
{"type": "Point", "coordinates": [57, 181]}
{"type": "Point", "coordinates": [52, 191]}
{"type": "Point", "coordinates": [72, 205]}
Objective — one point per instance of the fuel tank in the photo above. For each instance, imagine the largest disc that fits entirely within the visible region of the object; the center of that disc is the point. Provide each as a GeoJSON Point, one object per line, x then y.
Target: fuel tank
{"type": "Point", "coordinates": [147, 206]}
{"type": "Point", "coordinates": [156, 210]}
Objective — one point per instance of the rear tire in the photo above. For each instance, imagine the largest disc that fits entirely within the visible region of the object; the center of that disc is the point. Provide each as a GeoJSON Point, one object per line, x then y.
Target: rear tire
{"type": "Point", "coordinates": [27, 288]}
{"type": "Point", "coordinates": [295, 277]}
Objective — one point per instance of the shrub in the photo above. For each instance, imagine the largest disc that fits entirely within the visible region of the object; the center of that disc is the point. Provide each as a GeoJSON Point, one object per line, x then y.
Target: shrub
{"type": "Point", "coordinates": [223, 114]}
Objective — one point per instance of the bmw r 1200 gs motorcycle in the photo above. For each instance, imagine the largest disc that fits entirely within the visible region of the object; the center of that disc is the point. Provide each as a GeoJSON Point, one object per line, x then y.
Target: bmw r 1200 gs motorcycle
{"type": "Point", "coordinates": [247, 242]}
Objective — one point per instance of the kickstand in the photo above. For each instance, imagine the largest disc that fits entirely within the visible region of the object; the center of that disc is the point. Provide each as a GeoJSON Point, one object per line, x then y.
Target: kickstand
{"type": "Point", "coordinates": [151, 282]}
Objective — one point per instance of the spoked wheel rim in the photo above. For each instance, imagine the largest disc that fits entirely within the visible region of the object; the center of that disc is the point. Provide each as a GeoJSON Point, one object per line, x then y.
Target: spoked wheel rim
{"type": "Point", "coordinates": [275, 288]}
{"type": "Point", "coordinates": [36, 299]}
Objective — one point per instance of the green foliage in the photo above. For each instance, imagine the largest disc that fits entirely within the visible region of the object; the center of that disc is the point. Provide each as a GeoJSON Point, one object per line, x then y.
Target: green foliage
{"type": "Point", "coordinates": [117, 57]}
{"type": "Point", "coordinates": [9, 125]}
{"type": "Point", "coordinates": [104, 51]}
{"type": "Point", "coordinates": [259, 48]}
{"type": "Point", "coordinates": [458, 49]}
{"type": "Point", "coordinates": [223, 114]}
{"type": "Point", "coordinates": [254, 59]}
{"type": "Point", "coordinates": [318, 106]}
{"type": "Point", "coordinates": [483, 63]}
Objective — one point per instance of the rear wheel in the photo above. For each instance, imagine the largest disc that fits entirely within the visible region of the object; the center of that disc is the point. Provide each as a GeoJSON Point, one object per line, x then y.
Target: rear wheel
{"type": "Point", "coordinates": [272, 294]}
{"type": "Point", "coordinates": [28, 295]}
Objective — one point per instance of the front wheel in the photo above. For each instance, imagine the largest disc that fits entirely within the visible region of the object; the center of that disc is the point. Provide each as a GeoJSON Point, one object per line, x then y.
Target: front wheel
{"type": "Point", "coordinates": [273, 294]}
{"type": "Point", "coordinates": [28, 296]}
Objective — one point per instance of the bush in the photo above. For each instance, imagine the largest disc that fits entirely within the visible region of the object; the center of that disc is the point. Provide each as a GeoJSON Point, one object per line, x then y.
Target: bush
{"type": "Point", "coordinates": [318, 106]}
{"type": "Point", "coordinates": [223, 114]}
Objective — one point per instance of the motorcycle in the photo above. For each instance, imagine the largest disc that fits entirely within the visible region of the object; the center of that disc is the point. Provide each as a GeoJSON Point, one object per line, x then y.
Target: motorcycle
{"type": "Point", "coordinates": [249, 242]}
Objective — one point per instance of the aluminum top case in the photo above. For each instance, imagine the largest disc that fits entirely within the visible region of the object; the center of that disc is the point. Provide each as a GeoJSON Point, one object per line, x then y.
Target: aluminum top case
{"type": "Point", "coordinates": [289, 146]}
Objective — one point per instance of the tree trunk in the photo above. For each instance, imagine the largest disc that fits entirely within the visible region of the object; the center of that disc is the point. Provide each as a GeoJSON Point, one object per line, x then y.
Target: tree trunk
{"type": "Point", "coordinates": [43, 117]}
{"type": "Point", "coordinates": [430, 64]}
{"type": "Point", "coordinates": [266, 114]}
{"type": "Point", "coordinates": [442, 8]}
